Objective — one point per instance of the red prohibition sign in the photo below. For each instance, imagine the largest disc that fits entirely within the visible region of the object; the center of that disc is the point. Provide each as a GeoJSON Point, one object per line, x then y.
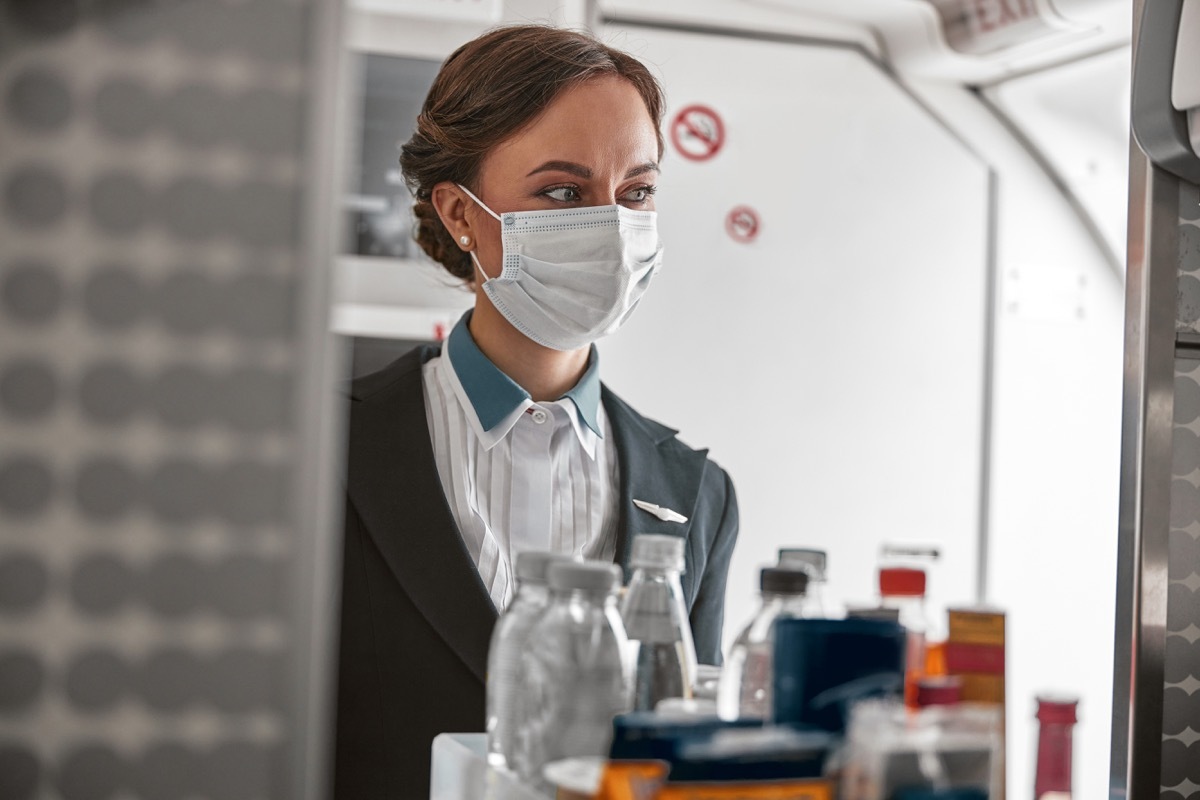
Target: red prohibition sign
{"type": "Point", "coordinates": [697, 132]}
{"type": "Point", "coordinates": [743, 224]}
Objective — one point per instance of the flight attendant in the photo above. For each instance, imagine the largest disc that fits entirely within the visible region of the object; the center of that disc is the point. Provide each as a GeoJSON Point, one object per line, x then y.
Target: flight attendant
{"type": "Point", "coordinates": [533, 166]}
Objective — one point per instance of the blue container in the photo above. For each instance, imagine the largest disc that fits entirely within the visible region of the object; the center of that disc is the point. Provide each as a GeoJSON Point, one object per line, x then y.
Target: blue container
{"type": "Point", "coordinates": [645, 735]}
{"type": "Point", "coordinates": [823, 666]}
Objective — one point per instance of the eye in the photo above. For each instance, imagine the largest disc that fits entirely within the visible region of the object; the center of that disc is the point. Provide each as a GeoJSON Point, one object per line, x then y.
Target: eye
{"type": "Point", "coordinates": [564, 194]}
{"type": "Point", "coordinates": [640, 194]}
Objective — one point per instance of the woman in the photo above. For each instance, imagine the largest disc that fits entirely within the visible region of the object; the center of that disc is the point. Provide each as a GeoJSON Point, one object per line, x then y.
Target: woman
{"type": "Point", "coordinates": [533, 167]}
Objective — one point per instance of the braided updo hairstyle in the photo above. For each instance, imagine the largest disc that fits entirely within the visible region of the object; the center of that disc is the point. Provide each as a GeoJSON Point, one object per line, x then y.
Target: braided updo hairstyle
{"type": "Point", "coordinates": [488, 90]}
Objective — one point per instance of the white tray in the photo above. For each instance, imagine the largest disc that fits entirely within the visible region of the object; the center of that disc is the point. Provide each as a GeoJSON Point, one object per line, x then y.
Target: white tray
{"type": "Point", "coordinates": [461, 772]}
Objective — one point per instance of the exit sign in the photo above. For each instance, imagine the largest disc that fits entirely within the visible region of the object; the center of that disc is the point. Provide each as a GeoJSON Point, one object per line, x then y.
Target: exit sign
{"type": "Point", "coordinates": [979, 27]}
{"type": "Point", "coordinates": [989, 16]}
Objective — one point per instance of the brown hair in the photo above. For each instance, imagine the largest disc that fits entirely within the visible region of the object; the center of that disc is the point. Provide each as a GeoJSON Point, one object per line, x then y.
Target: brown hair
{"type": "Point", "coordinates": [485, 92]}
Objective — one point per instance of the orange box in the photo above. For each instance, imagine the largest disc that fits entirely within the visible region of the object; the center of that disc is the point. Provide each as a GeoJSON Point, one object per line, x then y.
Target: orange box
{"type": "Point", "coordinates": [632, 780]}
{"type": "Point", "coordinates": [808, 789]}
{"type": "Point", "coordinates": [645, 780]}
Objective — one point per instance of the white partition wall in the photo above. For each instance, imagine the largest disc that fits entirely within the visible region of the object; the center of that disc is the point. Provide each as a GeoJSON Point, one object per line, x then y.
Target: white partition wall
{"type": "Point", "coordinates": [834, 363]}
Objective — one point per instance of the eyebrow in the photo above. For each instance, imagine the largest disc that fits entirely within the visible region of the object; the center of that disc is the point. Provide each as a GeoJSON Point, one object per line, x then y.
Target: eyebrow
{"type": "Point", "coordinates": [581, 171]}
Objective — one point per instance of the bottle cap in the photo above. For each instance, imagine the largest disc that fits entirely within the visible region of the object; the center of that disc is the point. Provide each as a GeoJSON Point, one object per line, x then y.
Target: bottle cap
{"type": "Point", "coordinates": [805, 558]}
{"type": "Point", "coordinates": [657, 551]}
{"type": "Point", "coordinates": [1057, 710]}
{"type": "Point", "coordinates": [533, 566]}
{"type": "Point", "coordinates": [783, 580]}
{"type": "Point", "coordinates": [902, 582]}
{"type": "Point", "coordinates": [590, 576]}
{"type": "Point", "coordinates": [945, 690]}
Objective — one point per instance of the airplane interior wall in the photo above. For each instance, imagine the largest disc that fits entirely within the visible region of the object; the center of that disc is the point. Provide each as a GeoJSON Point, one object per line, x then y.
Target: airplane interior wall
{"type": "Point", "coordinates": [891, 307]}
{"type": "Point", "coordinates": [832, 358]}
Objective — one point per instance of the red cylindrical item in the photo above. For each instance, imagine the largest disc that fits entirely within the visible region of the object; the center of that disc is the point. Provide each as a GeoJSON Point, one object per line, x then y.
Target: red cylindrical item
{"type": "Point", "coordinates": [901, 582]}
{"type": "Point", "coordinates": [1057, 719]}
{"type": "Point", "coordinates": [944, 690]}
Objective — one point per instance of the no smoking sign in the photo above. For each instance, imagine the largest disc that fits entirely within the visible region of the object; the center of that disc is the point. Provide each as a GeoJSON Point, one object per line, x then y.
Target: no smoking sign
{"type": "Point", "coordinates": [743, 225]}
{"type": "Point", "coordinates": [697, 132]}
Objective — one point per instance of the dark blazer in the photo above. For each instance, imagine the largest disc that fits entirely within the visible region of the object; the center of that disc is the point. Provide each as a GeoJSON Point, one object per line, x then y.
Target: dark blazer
{"type": "Point", "coordinates": [416, 617]}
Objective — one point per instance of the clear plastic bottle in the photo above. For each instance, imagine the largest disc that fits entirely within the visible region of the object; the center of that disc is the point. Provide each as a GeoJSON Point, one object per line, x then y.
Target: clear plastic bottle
{"type": "Point", "coordinates": [575, 675]}
{"type": "Point", "coordinates": [656, 621]}
{"type": "Point", "coordinates": [509, 640]}
{"type": "Point", "coordinates": [745, 690]}
{"type": "Point", "coordinates": [814, 562]}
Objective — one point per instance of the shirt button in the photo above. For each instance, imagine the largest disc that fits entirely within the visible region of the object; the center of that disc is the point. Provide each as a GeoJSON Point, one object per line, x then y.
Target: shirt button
{"type": "Point", "coordinates": [539, 416]}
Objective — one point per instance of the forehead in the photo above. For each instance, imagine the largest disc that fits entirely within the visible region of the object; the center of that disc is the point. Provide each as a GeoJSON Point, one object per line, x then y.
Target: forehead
{"type": "Point", "coordinates": [602, 123]}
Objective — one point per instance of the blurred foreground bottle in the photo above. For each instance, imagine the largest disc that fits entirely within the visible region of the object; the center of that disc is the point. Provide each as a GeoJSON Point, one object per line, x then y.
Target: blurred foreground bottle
{"type": "Point", "coordinates": [902, 586]}
{"type": "Point", "coordinates": [656, 621]}
{"type": "Point", "coordinates": [745, 689]}
{"type": "Point", "coordinates": [575, 678]}
{"type": "Point", "coordinates": [944, 750]}
{"type": "Point", "coordinates": [509, 641]}
{"type": "Point", "coordinates": [1056, 717]}
{"type": "Point", "coordinates": [814, 562]}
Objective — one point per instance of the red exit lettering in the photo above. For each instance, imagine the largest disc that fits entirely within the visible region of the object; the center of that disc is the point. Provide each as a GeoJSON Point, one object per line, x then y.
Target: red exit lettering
{"type": "Point", "coordinates": [992, 15]}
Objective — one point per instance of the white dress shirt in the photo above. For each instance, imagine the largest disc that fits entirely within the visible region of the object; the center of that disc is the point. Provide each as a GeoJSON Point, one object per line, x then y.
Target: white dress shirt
{"type": "Point", "coordinates": [519, 475]}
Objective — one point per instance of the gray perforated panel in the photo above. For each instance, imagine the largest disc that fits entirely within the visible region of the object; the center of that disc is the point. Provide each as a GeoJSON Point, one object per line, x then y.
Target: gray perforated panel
{"type": "Point", "coordinates": [1181, 698]}
{"type": "Point", "coordinates": [152, 170]}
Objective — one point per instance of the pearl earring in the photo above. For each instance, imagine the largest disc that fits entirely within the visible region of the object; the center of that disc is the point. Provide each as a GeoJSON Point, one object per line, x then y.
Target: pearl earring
{"type": "Point", "coordinates": [465, 240]}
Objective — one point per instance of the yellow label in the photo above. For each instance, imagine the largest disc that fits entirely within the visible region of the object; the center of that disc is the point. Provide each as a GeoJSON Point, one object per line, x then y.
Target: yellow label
{"type": "Point", "coordinates": [773, 790]}
{"type": "Point", "coordinates": [976, 627]}
{"type": "Point", "coordinates": [983, 689]}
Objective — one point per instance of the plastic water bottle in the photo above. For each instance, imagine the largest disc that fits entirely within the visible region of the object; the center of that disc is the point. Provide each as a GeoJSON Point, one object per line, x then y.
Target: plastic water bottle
{"type": "Point", "coordinates": [656, 620]}
{"type": "Point", "coordinates": [575, 678]}
{"type": "Point", "coordinates": [509, 640]}
{"type": "Point", "coordinates": [815, 563]}
{"type": "Point", "coordinates": [745, 690]}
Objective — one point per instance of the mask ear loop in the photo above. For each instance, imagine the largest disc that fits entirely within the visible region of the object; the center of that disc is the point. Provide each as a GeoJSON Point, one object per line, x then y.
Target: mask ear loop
{"type": "Point", "coordinates": [479, 267]}
{"type": "Point", "coordinates": [478, 202]}
{"type": "Point", "coordinates": [481, 204]}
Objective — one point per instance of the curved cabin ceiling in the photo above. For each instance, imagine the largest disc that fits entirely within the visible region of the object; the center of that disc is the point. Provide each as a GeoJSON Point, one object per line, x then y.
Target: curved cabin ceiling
{"type": "Point", "coordinates": [974, 42]}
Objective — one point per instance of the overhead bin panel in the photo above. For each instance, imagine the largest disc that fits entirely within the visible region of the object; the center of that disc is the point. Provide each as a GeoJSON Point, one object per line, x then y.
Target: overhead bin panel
{"type": "Point", "coordinates": [964, 41]}
{"type": "Point", "coordinates": [761, 17]}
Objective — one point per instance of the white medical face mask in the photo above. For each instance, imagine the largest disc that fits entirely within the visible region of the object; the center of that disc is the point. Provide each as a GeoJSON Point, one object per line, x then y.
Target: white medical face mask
{"type": "Point", "coordinates": [570, 276]}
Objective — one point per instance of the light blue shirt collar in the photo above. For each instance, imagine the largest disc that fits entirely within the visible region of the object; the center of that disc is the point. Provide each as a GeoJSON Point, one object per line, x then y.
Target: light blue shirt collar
{"type": "Point", "coordinates": [494, 396]}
